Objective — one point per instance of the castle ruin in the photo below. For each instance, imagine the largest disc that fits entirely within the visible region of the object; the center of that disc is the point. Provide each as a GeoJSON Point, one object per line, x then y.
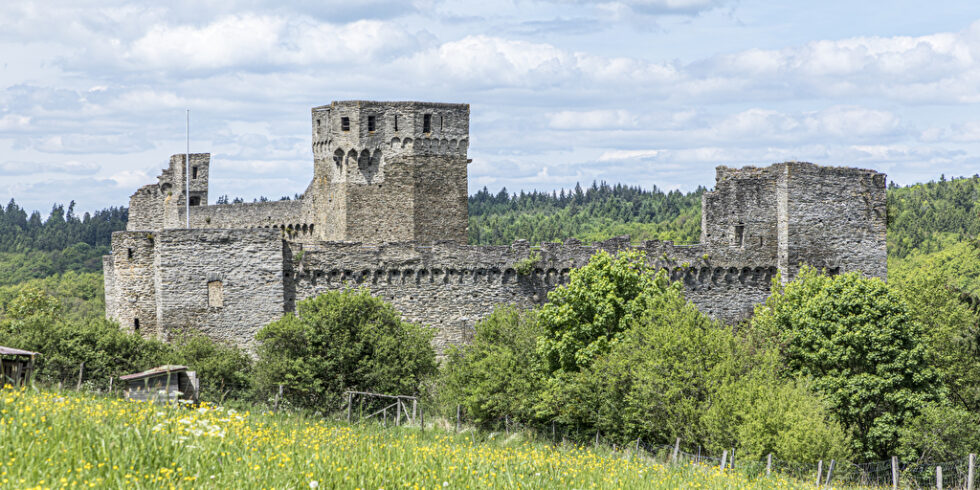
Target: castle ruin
{"type": "Point", "coordinates": [387, 210]}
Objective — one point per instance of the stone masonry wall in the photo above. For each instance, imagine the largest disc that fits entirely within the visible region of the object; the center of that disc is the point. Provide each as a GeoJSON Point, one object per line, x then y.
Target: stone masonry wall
{"type": "Point", "coordinates": [246, 266]}
{"type": "Point", "coordinates": [129, 281]}
{"type": "Point", "coordinates": [835, 219]}
{"type": "Point", "coordinates": [451, 286]}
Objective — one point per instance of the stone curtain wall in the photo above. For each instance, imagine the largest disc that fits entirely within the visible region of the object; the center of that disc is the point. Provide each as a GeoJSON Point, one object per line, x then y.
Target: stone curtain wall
{"type": "Point", "coordinates": [247, 263]}
{"type": "Point", "coordinates": [451, 286]}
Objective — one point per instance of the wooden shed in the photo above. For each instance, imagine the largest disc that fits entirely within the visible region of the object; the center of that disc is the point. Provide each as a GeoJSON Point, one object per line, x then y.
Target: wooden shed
{"type": "Point", "coordinates": [16, 366]}
{"type": "Point", "coordinates": [166, 383]}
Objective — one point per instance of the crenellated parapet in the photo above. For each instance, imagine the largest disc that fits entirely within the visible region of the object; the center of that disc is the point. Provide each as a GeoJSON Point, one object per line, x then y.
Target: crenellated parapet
{"type": "Point", "coordinates": [387, 211]}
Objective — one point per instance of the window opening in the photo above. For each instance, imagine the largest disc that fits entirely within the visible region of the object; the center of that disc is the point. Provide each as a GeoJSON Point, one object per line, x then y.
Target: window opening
{"type": "Point", "coordinates": [129, 254]}
{"type": "Point", "coordinates": [427, 123]}
{"type": "Point", "coordinates": [345, 124]}
{"type": "Point", "coordinates": [441, 119]}
{"type": "Point", "coordinates": [396, 122]}
{"type": "Point", "coordinates": [195, 201]}
{"type": "Point", "coordinates": [193, 172]}
{"type": "Point", "coordinates": [739, 234]}
{"type": "Point", "coordinates": [371, 123]}
{"type": "Point", "coordinates": [136, 325]}
{"type": "Point", "coordinates": [216, 296]}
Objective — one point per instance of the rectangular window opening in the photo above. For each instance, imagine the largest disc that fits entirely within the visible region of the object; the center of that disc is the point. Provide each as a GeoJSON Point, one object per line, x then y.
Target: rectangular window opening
{"type": "Point", "coordinates": [193, 172]}
{"type": "Point", "coordinates": [345, 124]}
{"type": "Point", "coordinates": [371, 123]}
{"type": "Point", "coordinates": [216, 297]}
{"type": "Point", "coordinates": [195, 201]}
{"type": "Point", "coordinates": [427, 123]}
{"type": "Point", "coordinates": [739, 235]}
{"type": "Point", "coordinates": [441, 119]}
{"type": "Point", "coordinates": [129, 254]}
{"type": "Point", "coordinates": [396, 122]}
{"type": "Point", "coordinates": [136, 325]}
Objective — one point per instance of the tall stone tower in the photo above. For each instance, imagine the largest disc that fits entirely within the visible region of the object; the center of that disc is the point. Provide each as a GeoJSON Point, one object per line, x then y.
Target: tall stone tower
{"type": "Point", "coordinates": [390, 171]}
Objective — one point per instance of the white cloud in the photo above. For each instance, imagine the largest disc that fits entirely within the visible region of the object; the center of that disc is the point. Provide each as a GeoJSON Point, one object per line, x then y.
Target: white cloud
{"type": "Point", "coordinates": [71, 167]}
{"type": "Point", "coordinates": [265, 41]}
{"type": "Point", "coordinates": [598, 119]}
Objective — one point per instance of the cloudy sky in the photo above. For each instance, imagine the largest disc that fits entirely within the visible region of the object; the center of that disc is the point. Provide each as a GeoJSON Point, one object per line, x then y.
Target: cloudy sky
{"type": "Point", "coordinates": [649, 92]}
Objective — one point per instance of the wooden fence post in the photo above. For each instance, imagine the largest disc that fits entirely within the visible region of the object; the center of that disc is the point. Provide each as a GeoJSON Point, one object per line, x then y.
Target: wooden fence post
{"type": "Point", "coordinates": [457, 418]}
{"type": "Point", "coordinates": [398, 411]}
{"type": "Point", "coordinates": [415, 413]}
{"type": "Point", "coordinates": [894, 471]}
{"type": "Point", "coordinates": [724, 458]}
{"type": "Point", "coordinates": [969, 471]}
{"type": "Point", "coordinates": [81, 369]}
{"type": "Point", "coordinates": [596, 439]}
{"type": "Point", "coordinates": [677, 448]}
{"type": "Point", "coordinates": [769, 464]}
{"type": "Point", "coordinates": [636, 447]}
{"type": "Point", "coordinates": [278, 395]}
{"type": "Point", "coordinates": [350, 400]}
{"type": "Point", "coordinates": [110, 385]}
{"type": "Point", "coordinates": [939, 477]}
{"type": "Point", "coordinates": [819, 471]}
{"type": "Point", "coordinates": [830, 473]}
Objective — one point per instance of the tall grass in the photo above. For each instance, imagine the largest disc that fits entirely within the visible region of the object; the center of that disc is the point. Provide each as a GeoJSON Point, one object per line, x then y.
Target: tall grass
{"type": "Point", "coordinates": [53, 440]}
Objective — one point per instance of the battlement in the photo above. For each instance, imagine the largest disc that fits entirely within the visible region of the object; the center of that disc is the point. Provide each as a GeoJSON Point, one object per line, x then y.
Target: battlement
{"type": "Point", "coordinates": [387, 210]}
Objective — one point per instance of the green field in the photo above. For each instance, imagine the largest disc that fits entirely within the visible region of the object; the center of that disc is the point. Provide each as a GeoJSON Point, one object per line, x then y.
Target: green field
{"type": "Point", "coordinates": [52, 440]}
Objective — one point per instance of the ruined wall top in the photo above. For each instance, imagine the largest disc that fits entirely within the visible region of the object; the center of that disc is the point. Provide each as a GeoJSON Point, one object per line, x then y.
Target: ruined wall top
{"type": "Point", "coordinates": [401, 127]}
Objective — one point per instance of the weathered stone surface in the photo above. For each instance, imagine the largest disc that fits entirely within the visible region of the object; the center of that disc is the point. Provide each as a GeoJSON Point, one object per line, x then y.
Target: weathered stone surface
{"type": "Point", "coordinates": [386, 210]}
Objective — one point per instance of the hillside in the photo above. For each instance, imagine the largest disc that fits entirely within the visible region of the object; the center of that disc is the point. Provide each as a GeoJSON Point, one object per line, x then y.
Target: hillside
{"type": "Point", "coordinates": [34, 248]}
{"type": "Point", "coordinates": [596, 213]}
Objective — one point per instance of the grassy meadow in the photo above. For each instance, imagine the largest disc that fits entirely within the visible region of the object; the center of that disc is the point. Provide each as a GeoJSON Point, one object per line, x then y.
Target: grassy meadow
{"type": "Point", "coordinates": [59, 440]}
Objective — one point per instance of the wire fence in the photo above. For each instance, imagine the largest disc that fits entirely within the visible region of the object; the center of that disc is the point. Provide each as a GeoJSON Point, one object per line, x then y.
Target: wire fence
{"type": "Point", "coordinates": [956, 473]}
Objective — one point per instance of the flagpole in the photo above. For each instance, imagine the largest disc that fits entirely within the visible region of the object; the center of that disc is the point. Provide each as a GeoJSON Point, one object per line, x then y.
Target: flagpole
{"type": "Point", "coordinates": [187, 172]}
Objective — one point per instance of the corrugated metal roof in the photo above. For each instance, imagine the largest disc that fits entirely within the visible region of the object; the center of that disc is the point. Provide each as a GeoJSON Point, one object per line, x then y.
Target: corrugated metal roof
{"type": "Point", "coordinates": [10, 351]}
{"type": "Point", "coordinates": [168, 368]}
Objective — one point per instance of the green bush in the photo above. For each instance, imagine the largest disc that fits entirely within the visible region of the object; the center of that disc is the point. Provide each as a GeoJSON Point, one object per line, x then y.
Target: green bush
{"type": "Point", "coordinates": [35, 320]}
{"type": "Point", "coordinates": [498, 374]}
{"type": "Point", "coordinates": [862, 347]}
{"type": "Point", "coordinates": [583, 318]}
{"type": "Point", "coordinates": [342, 340]}
{"type": "Point", "coordinates": [224, 371]}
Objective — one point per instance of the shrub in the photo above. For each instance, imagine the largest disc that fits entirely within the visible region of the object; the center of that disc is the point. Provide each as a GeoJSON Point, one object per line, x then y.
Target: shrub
{"type": "Point", "coordinates": [500, 373]}
{"type": "Point", "coordinates": [584, 317]}
{"type": "Point", "coordinates": [342, 340]}
{"type": "Point", "coordinates": [861, 346]}
{"type": "Point", "coordinates": [224, 370]}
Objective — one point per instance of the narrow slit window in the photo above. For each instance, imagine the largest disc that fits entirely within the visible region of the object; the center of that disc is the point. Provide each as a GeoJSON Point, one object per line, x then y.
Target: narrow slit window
{"type": "Point", "coordinates": [441, 119]}
{"type": "Point", "coordinates": [193, 172]}
{"type": "Point", "coordinates": [216, 295]}
{"type": "Point", "coordinates": [371, 124]}
{"type": "Point", "coordinates": [739, 235]}
{"type": "Point", "coordinates": [396, 122]}
{"type": "Point", "coordinates": [427, 123]}
{"type": "Point", "coordinates": [136, 325]}
{"type": "Point", "coordinates": [345, 124]}
{"type": "Point", "coordinates": [129, 254]}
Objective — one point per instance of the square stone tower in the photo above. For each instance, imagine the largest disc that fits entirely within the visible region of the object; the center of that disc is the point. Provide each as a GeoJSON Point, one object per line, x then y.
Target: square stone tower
{"type": "Point", "coordinates": [390, 171]}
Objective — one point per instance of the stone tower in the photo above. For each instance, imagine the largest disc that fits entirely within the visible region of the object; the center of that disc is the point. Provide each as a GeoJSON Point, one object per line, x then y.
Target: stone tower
{"type": "Point", "coordinates": [390, 171]}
